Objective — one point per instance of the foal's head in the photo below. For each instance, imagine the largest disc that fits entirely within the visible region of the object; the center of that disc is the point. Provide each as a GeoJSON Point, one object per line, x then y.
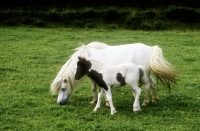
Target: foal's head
{"type": "Point", "coordinates": [82, 68]}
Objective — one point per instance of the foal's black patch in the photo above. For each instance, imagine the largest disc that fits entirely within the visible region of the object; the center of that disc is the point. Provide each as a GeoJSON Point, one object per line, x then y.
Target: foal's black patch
{"type": "Point", "coordinates": [98, 78]}
{"type": "Point", "coordinates": [121, 79]}
{"type": "Point", "coordinates": [85, 63]}
{"type": "Point", "coordinates": [83, 67]}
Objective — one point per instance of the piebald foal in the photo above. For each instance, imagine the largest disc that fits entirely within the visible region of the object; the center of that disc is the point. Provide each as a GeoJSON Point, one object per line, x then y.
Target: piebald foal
{"type": "Point", "coordinates": [112, 76]}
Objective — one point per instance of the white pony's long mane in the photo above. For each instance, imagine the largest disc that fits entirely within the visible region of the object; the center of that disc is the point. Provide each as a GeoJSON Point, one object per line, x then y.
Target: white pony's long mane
{"type": "Point", "coordinates": [82, 50]}
{"type": "Point", "coordinates": [66, 72]}
{"type": "Point", "coordinates": [68, 69]}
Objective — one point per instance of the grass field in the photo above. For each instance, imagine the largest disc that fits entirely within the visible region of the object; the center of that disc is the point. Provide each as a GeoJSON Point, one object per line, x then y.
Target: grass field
{"type": "Point", "coordinates": [30, 58]}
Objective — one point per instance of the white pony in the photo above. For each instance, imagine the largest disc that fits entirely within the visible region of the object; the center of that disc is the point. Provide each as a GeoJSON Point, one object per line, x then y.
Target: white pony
{"type": "Point", "coordinates": [108, 76]}
{"type": "Point", "coordinates": [151, 58]}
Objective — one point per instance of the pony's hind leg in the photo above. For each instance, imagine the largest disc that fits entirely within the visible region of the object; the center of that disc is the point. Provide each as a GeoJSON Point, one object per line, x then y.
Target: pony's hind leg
{"type": "Point", "coordinates": [155, 98]}
{"type": "Point", "coordinates": [94, 90]}
{"type": "Point", "coordinates": [147, 86]}
{"type": "Point", "coordinates": [99, 100]}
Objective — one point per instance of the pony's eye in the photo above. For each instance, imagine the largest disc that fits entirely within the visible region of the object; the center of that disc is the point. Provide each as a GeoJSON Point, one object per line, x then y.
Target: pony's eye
{"type": "Point", "coordinates": [63, 89]}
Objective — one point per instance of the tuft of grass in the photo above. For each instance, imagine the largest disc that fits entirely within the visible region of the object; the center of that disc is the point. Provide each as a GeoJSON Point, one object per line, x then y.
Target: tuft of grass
{"type": "Point", "coordinates": [31, 58]}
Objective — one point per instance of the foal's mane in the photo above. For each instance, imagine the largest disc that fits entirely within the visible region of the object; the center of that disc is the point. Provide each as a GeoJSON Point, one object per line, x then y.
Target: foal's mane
{"type": "Point", "coordinates": [68, 69]}
{"type": "Point", "coordinates": [97, 65]}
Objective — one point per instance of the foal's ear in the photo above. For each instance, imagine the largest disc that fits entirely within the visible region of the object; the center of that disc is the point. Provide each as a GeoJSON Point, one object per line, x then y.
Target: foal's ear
{"type": "Point", "coordinates": [81, 58]}
{"type": "Point", "coordinates": [65, 80]}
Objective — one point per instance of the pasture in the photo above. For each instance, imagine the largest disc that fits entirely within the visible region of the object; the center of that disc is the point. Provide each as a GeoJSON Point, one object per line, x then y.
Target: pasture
{"type": "Point", "coordinates": [30, 58]}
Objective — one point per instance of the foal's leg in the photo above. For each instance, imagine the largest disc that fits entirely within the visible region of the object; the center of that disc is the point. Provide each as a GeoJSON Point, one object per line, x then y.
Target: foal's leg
{"type": "Point", "coordinates": [155, 98]}
{"type": "Point", "coordinates": [94, 90]}
{"type": "Point", "coordinates": [109, 98]}
{"type": "Point", "coordinates": [107, 103]}
{"type": "Point", "coordinates": [99, 100]}
{"type": "Point", "coordinates": [136, 93]}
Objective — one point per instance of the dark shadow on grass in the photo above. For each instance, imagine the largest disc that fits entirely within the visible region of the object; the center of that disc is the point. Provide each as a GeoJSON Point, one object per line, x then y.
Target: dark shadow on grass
{"type": "Point", "coordinates": [9, 70]}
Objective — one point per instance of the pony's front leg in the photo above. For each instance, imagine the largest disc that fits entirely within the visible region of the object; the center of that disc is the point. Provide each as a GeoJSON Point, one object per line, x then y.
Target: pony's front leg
{"type": "Point", "coordinates": [94, 90]}
{"type": "Point", "coordinates": [136, 105]}
{"type": "Point", "coordinates": [99, 100]}
{"type": "Point", "coordinates": [109, 99]}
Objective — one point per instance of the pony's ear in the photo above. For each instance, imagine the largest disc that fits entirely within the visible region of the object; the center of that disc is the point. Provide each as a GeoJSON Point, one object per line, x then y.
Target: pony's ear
{"type": "Point", "coordinates": [65, 80]}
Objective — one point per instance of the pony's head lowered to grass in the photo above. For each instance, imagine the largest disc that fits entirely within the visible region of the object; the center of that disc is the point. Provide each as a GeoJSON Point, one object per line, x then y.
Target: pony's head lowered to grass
{"type": "Point", "coordinates": [64, 83]}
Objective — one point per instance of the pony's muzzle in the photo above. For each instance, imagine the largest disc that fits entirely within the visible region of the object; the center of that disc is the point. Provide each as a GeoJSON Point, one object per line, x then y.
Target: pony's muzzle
{"type": "Point", "coordinates": [61, 102]}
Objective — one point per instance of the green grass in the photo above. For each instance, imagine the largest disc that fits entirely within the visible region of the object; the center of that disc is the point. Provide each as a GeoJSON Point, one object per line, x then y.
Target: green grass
{"type": "Point", "coordinates": [30, 58]}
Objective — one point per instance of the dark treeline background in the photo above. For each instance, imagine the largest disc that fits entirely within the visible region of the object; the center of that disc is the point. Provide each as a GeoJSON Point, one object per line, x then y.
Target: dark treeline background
{"type": "Point", "coordinates": [127, 14]}
{"type": "Point", "coordinates": [97, 3]}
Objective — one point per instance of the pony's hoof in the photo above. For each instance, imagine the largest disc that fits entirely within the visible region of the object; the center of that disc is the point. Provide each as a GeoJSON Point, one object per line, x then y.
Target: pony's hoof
{"type": "Point", "coordinates": [145, 103]}
{"type": "Point", "coordinates": [155, 100]}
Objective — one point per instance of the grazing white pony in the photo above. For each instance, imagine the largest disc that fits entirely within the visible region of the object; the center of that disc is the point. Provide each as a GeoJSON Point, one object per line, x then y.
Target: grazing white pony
{"type": "Point", "coordinates": [151, 58]}
{"type": "Point", "coordinates": [108, 76]}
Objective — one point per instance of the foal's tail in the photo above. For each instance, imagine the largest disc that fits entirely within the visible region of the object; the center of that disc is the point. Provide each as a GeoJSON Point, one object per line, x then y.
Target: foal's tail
{"type": "Point", "coordinates": [141, 74]}
{"type": "Point", "coordinates": [161, 68]}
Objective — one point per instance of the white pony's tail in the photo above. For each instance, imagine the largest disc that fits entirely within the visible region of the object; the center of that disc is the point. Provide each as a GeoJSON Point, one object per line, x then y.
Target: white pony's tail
{"type": "Point", "coordinates": [161, 68]}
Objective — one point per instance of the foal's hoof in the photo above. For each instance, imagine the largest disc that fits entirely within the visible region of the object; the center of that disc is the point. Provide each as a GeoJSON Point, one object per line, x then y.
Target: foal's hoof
{"type": "Point", "coordinates": [113, 112]}
{"type": "Point", "coordinates": [95, 109]}
{"type": "Point", "coordinates": [93, 102]}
